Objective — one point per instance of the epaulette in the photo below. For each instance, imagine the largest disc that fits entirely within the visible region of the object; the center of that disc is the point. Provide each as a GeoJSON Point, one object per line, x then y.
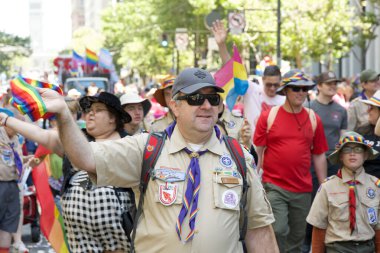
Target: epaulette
{"type": "Point", "coordinates": [328, 178]}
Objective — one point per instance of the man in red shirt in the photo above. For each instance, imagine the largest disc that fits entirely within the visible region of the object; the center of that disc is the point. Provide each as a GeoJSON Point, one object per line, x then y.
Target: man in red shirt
{"type": "Point", "coordinates": [286, 144]}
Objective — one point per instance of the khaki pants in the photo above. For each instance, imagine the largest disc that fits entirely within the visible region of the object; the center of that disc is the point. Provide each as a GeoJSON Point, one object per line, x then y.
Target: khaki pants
{"type": "Point", "coordinates": [351, 247]}
{"type": "Point", "coordinates": [290, 210]}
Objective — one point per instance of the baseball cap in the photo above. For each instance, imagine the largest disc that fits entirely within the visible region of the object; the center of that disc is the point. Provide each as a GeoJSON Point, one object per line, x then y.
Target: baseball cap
{"type": "Point", "coordinates": [368, 75]}
{"type": "Point", "coordinates": [327, 77]}
{"type": "Point", "coordinates": [192, 79]}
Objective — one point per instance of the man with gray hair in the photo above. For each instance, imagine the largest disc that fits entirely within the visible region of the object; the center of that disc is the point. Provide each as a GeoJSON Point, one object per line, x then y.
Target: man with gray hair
{"type": "Point", "coordinates": [187, 208]}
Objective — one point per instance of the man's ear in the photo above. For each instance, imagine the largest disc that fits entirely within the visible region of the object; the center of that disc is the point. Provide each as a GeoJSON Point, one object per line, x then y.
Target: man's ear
{"type": "Point", "coordinates": [174, 107]}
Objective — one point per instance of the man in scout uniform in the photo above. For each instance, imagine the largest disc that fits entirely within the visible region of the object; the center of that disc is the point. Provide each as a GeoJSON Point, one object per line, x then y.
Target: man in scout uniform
{"type": "Point", "coordinates": [163, 96]}
{"type": "Point", "coordinates": [10, 172]}
{"type": "Point", "coordinates": [192, 200]}
{"type": "Point", "coordinates": [345, 210]}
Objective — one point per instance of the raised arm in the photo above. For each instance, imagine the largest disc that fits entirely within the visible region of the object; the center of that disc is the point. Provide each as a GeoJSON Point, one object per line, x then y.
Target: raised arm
{"type": "Point", "coordinates": [47, 138]}
{"type": "Point", "coordinates": [74, 142]}
{"type": "Point", "coordinates": [220, 35]}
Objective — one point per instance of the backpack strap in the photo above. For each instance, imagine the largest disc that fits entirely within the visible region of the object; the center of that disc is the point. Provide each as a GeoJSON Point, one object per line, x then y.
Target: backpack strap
{"type": "Point", "coordinates": [272, 116]}
{"type": "Point", "coordinates": [313, 119]}
{"type": "Point", "coordinates": [237, 154]}
{"type": "Point", "coordinates": [152, 150]}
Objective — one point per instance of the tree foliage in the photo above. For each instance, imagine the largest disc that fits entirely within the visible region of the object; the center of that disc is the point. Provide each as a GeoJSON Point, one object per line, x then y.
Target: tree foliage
{"type": "Point", "coordinates": [11, 48]}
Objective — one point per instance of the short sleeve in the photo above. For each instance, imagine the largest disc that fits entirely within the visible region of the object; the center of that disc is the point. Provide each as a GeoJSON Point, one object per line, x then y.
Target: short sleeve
{"type": "Point", "coordinates": [260, 136]}
{"type": "Point", "coordinates": [319, 141]}
{"type": "Point", "coordinates": [319, 209]}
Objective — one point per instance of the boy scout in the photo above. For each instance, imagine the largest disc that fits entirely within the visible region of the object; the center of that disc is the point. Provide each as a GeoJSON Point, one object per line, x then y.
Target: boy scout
{"type": "Point", "coordinates": [194, 162]}
{"type": "Point", "coordinates": [345, 210]}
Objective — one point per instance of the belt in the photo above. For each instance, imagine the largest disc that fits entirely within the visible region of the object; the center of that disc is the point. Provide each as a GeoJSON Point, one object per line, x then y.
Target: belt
{"type": "Point", "coordinates": [355, 243]}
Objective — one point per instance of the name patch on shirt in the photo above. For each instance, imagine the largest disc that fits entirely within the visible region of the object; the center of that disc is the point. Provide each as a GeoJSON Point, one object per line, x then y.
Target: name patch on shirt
{"type": "Point", "coordinates": [169, 174]}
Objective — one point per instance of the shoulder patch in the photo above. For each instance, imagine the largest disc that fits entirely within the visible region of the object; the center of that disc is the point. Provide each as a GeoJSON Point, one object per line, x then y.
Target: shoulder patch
{"type": "Point", "coordinates": [377, 183]}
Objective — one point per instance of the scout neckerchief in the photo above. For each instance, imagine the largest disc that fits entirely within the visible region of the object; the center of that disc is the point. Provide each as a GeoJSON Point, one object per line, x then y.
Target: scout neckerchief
{"type": "Point", "coordinates": [193, 186]}
{"type": "Point", "coordinates": [17, 160]}
{"type": "Point", "coordinates": [351, 200]}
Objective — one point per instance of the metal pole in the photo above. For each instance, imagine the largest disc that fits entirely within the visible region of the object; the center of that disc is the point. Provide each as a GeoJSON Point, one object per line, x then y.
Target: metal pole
{"type": "Point", "coordinates": [279, 33]}
{"type": "Point", "coordinates": [177, 69]}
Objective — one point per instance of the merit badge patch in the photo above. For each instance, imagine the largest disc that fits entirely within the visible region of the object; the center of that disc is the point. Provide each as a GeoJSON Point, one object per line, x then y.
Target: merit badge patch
{"type": "Point", "coordinates": [371, 193]}
{"type": "Point", "coordinates": [230, 199]}
{"type": "Point", "coordinates": [372, 217]}
{"type": "Point", "coordinates": [226, 161]}
{"type": "Point", "coordinates": [169, 174]}
{"type": "Point", "coordinates": [231, 124]}
{"type": "Point", "coordinates": [168, 194]}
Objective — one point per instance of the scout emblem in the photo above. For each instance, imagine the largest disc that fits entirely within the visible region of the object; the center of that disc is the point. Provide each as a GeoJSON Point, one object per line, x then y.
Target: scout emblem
{"type": "Point", "coordinates": [230, 199]}
{"type": "Point", "coordinates": [6, 156]}
{"type": "Point", "coordinates": [226, 161]}
{"type": "Point", "coordinates": [168, 193]}
{"type": "Point", "coordinates": [371, 193]}
{"type": "Point", "coordinates": [231, 124]}
{"type": "Point", "coordinates": [372, 217]}
{"type": "Point", "coordinates": [150, 148]}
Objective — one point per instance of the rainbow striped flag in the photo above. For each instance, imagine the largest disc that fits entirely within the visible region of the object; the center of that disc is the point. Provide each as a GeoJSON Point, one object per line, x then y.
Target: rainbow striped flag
{"type": "Point", "coordinates": [26, 98]}
{"type": "Point", "coordinates": [51, 222]}
{"type": "Point", "coordinates": [232, 77]}
{"type": "Point", "coordinates": [91, 58]}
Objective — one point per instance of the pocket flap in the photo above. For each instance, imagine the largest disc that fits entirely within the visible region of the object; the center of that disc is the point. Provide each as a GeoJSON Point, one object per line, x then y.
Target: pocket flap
{"type": "Point", "coordinates": [229, 182]}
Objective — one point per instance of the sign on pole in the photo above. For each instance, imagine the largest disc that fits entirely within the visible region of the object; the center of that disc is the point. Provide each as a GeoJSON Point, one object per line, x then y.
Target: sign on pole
{"type": "Point", "coordinates": [181, 38]}
{"type": "Point", "coordinates": [236, 22]}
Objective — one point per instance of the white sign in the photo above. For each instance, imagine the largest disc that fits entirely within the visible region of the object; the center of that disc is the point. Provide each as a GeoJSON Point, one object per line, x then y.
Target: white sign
{"type": "Point", "coordinates": [236, 22]}
{"type": "Point", "coordinates": [181, 39]}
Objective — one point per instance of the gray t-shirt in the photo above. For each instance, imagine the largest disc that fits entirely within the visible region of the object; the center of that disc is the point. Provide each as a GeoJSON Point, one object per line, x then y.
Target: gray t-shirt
{"type": "Point", "coordinates": [334, 119]}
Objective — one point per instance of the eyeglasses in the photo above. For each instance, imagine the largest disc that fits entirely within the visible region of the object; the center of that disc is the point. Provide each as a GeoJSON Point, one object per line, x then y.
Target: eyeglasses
{"type": "Point", "coordinates": [356, 150]}
{"type": "Point", "coordinates": [199, 99]}
{"type": "Point", "coordinates": [94, 110]}
{"type": "Point", "coordinates": [299, 88]}
{"type": "Point", "coordinates": [270, 85]}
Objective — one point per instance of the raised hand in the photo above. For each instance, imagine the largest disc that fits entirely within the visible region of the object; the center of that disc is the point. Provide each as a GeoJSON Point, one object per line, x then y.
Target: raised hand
{"type": "Point", "coordinates": [219, 31]}
{"type": "Point", "coordinates": [246, 133]}
{"type": "Point", "coordinates": [54, 102]}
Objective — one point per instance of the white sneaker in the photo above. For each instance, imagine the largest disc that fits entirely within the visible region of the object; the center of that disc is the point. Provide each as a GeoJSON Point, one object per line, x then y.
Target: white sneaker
{"type": "Point", "coordinates": [20, 247]}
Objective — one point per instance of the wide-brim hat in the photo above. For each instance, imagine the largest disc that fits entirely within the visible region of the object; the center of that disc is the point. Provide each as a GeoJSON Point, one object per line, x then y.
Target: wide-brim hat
{"type": "Point", "coordinates": [294, 77]}
{"type": "Point", "coordinates": [374, 100]}
{"type": "Point", "coordinates": [192, 79]}
{"type": "Point", "coordinates": [166, 82]}
{"type": "Point", "coordinates": [133, 98]}
{"type": "Point", "coordinates": [351, 137]}
{"type": "Point", "coordinates": [107, 99]}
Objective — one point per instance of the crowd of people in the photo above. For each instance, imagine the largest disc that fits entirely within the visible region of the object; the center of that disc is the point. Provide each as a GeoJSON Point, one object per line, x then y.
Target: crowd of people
{"type": "Point", "coordinates": [303, 176]}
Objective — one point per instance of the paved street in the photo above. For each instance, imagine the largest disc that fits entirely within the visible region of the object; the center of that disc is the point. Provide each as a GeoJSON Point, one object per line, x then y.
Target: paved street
{"type": "Point", "coordinates": [40, 247]}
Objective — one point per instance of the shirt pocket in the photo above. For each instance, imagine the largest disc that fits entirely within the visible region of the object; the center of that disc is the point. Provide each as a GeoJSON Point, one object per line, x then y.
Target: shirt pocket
{"type": "Point", "coordinates": [370, 210]}
{"type": "Point", "coordinates": [339, 208]}
{"type": "Point", "coordinates": [226, 194]}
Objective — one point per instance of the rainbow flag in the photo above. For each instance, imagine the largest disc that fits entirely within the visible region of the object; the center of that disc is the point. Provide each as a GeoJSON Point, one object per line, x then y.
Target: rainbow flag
{"type": "Point", "coordinates": [232, 77]}
{"type": "Point", "coordinates": [51, 222]}
{"type": "Point", "coordinates": [26, 98]}
{"type": "Point", "coordinates": [91, 58]}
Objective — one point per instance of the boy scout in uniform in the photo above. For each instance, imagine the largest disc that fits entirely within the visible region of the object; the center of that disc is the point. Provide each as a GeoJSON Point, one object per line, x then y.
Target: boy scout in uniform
{"type": "Point", "coordinates": [192, 200]}
{"type": "Point", "coordinates": [345, 210]}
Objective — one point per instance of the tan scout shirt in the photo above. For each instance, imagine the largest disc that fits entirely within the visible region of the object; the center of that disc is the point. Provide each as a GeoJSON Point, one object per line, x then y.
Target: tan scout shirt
{"type": "Point", "coordinates": [8, 171]}
{"type": "Point", "coordinates": [162, 123]}
{"type": "Point", "coordinates": [357, 115]}
{"type": "Point", "coordinates": [232, 124]}
{"type": "Point", "coordinates": [217, 222]}
{"type": "Point", "coordinates": [330, 209]}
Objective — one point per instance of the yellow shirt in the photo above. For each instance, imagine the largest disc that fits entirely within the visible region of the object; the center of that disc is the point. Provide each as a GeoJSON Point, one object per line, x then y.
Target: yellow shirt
{"type": "Point", "coordinates": [217, 223]}
{"type": "Point", "coordinates": [330, 209]}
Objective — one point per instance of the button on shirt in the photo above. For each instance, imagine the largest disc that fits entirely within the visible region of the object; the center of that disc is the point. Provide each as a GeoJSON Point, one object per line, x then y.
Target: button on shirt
{"type": "Point", "coordinates": [217, 223]}
{"type": "Point", "coordinates": [330, 209]}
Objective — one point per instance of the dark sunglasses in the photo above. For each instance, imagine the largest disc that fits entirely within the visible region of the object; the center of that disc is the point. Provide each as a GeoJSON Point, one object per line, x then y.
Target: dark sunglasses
{"type": "Point", "coordinates": [299, 88]}
{"type": "Point", "coordinates": [199, 99]}
{"type": "Point", "coordinates": [270, 85]}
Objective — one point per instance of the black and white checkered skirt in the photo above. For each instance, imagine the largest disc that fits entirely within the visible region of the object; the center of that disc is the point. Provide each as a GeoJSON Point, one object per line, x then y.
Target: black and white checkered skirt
{"type": "Point", "coordinates": [93, 219]}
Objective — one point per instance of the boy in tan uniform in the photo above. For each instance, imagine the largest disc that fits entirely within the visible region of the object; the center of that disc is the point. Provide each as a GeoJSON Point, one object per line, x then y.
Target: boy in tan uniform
{"type": "Point", "coordinates": [345, 210]}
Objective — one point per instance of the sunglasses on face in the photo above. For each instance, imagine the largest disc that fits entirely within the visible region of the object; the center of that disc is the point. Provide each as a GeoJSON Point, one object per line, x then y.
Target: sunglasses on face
{"type": "Point", "coordinates": [270, 85]}
{"type": "Point", "coordinates": [199, 99]}
{"type": "Point", "coordinates": [299, 88]}
{"type": "Point", "coordinates": [356, 150]}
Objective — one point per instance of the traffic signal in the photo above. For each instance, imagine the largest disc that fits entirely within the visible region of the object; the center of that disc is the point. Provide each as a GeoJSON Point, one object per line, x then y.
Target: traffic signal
{"type": "Point", "coordinates": [164, 40]}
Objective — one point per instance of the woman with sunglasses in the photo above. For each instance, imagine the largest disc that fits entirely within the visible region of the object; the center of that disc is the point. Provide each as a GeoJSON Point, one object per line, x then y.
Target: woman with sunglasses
{"type": "Point", "coordinates": [92, 215]}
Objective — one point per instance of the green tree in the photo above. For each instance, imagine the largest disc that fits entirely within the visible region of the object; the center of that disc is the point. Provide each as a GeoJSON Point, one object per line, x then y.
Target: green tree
{"type": "Point", "coordinates": [12, 48]}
